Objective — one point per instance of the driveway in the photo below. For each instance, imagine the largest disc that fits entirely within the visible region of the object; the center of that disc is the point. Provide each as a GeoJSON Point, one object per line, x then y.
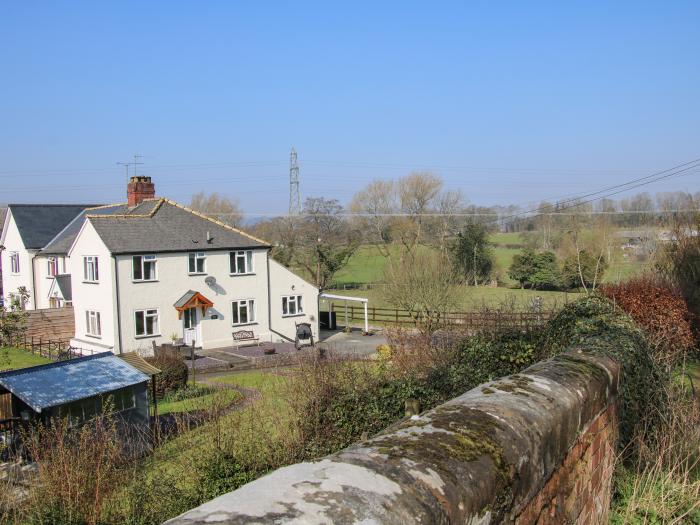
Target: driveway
{"type": "Point", "coordinates": [353, 344]}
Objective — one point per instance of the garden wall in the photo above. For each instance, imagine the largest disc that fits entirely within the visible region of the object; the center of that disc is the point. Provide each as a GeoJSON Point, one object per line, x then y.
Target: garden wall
{"type": "Point", "coordinates": [535, 447]}
{"type": "Point", "coordinates": [51, 323]}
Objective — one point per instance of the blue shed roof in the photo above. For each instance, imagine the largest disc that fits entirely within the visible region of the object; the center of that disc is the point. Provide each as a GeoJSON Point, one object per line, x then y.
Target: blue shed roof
{"type": "Point", "coordinates": [58, 383]}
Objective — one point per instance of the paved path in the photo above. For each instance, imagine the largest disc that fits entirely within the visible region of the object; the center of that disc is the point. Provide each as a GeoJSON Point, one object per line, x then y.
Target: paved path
{"type": "Point", "coordinates": [353, 344]}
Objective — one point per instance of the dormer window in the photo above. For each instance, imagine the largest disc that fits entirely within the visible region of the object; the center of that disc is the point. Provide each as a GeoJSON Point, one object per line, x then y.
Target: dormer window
{"type": "Point", "coordinates": [144, 267]}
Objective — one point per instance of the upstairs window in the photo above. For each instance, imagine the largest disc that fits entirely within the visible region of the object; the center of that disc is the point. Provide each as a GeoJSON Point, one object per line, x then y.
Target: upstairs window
{"type": "Point", "coordinates": [92, 323]}
{"type": "Point", "coordinates": [243, 311]}
{"type": "Point", "coordinates": [291, 305]}
{"type": "Point", "coordinates": [144, 267]}
{"type": "Point", "coordinates": [241, 262]}
{"type": "Point", "coordinates": [14, 262]}
{"type": "Point", "coordinates": [90, 269]}
{"type": "Point", "coordinates": [197, 262]}
{"type": "Point", "coordinates": [146, 322]}
{"type": "Point", "coordinates": [52, 266]}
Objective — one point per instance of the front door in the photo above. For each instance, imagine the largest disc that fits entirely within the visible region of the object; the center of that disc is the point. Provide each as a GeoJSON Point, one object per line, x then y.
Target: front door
{"type": "Point", "coordinates": [190, 323]}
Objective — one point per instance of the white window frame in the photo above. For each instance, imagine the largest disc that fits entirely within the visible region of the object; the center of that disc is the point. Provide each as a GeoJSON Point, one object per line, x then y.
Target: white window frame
{"type": "Point", "coordinates": [52, 266]}
{"type": "Point", "coordinates": [91, 262]}
{"type": "Point", "coordinates": [145, 258]}
{"type": "Point", "coordinates": [14, 263]}
{"type": "Point", "coordinates": [247, 256]}
{"type": "Point", "coordinates": [194, 258]}
{"type": "Point", "coordinates": [252, 316]}
{"type": "Point", "coordinates": [93, 330]}
{"type": "Point", "coordinates": [292, 300]}
{"type": "Point", "coordinates": [147, 312]}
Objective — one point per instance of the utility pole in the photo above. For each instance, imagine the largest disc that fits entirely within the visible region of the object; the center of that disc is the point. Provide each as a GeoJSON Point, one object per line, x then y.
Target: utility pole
{"type": "Point", "coordinates": [294, 197]}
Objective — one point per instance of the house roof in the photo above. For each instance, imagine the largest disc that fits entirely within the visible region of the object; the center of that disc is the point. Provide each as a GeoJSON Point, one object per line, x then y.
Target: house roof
{"type": "Point", "coordinates": [64, 285]}
{"type": "Point", "coordinates": [139, 363]}
{"type": "Point", "coordinates": [168, 227]}
{"type": "Point", "coordinates": [190, 299]}
{"type": "Point", "coordinates": [62, 242]}
{"type": "Point", "coordinates": [62, 382]}
{"type": "Point", "coordinates": [39, 223]}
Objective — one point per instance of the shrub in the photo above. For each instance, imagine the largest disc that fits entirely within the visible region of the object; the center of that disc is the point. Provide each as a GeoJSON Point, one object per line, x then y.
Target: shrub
{"type": "Point", "coordinates": [189, 392]}
{"type": "Point", "coordinates": [535, 270]}
{"type": "Point", "coordinates": [661, 311]}
{"type": "Point", "coordinates": [594, 322]}
{"type": "Point", "coordinates": [583, 270]}
{"type": "Point", "coordinates": [679, 260]}
{"type": "Point", "coordinates": [173, 374]}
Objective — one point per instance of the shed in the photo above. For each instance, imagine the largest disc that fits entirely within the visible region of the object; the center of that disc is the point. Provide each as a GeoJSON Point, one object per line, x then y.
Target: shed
{"type": "Point", "coordinates": [79, 389]}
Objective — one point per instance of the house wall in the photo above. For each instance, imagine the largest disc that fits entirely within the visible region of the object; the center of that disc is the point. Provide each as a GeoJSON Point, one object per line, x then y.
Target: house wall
{"type": "Point", "coordinates": [284, 283]}
{"type": "Point", "coordinates": [11, 282]}
{"type": "Point", "coordinates": [173, 281]}
{"type": "Point", "coordinates": [93, 296]}
{"type": "Point", "coordinates": [44, 281]}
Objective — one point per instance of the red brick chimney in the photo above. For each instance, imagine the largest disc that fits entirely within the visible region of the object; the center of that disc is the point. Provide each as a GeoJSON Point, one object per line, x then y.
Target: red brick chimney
{"type": "Point", "coordinates": [139, 189]}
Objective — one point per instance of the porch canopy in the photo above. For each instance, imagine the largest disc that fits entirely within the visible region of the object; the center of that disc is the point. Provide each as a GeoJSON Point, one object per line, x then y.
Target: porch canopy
{"type": "Point", "coordinates": [192, 299]}
{"type": "Point", "coordinates": [347, 298]}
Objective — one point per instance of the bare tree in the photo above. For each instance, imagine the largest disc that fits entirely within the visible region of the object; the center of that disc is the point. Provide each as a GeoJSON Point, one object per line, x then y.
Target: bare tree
{"type": "Point", "coordinates": [218, 207]}
{"type": "Point", "coordinates": [450, 204]}
{"type": "Point", "coordinates": [417, 193]}
{"type": "Point", "coordinates": [376, 203]}
{"type": "Point", "coordinates": [425, 286]}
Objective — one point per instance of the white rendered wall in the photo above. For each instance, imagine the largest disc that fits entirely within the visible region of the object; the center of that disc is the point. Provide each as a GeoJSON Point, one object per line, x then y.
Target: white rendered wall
{"type": "Point", "coordinates": [11, 282]}
{"type": "Point", "coordinates": [43, 280]}
{"type": "Point", "coordinates": [173, 281]}
{"type": "Point", "coordinates": [93, 296]}
{"type": "Point", "coordinates": [283, 282]}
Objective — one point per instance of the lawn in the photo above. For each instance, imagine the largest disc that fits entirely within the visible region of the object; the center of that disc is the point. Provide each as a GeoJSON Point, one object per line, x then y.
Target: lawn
{"type": "Point", "coordinates": [11, 358]}
{"type": "Point", "coordinates": [222, 396]}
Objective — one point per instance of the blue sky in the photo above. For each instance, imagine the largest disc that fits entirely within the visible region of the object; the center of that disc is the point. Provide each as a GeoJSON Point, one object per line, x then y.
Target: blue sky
{"type": "Point", "coordinates": [508, 101]}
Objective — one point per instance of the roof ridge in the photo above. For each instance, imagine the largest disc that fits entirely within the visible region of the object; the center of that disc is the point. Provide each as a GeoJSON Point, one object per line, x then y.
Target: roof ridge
{"type": "Point", "coordinates": [85, 206]}
{"type": "Point", "coordinates": [215, 221]}
{"type": "Point", "coordinates": [132, 215]}
{"type": "Point", "coordinates": [103, 206]}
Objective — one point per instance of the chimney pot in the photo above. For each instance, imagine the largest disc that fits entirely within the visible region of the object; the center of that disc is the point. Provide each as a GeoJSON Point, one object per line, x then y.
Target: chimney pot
{"type": "Point", "coordinates": [139, 189]}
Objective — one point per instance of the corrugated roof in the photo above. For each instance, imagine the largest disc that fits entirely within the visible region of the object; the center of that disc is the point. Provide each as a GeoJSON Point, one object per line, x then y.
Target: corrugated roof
{"type": "Point", "coordinates": [169, 227]}
{"type": "Point", "coordinates": [139, 363]}
{"type": "Point", "coordinates": [39, 223]}
{"type": "Point", "coordinates": [62, 382]}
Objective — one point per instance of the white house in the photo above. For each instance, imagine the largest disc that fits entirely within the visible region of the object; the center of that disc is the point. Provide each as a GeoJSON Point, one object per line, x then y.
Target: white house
{"type": "Point", "coordinates": [152, 270]}
{"type": "Point", "coordinates": [26, 230]}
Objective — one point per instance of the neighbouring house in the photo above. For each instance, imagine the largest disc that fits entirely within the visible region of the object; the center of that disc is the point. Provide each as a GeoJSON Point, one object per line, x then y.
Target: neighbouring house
{"type": "Point", "coordinates": [152, 270]}
{"type": "Point", "coordinates": [27, 229]}
{"type": "Point", "coordinates": [79, 389]}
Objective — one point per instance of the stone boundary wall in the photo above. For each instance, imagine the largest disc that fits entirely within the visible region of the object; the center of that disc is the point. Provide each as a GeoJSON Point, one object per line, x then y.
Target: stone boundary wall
{"type": "Point", "coordinates": [533, 448]}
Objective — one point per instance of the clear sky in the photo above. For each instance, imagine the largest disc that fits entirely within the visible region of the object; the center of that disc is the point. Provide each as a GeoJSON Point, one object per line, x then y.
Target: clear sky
{"type": "Point", "coordinates": [509, 101]}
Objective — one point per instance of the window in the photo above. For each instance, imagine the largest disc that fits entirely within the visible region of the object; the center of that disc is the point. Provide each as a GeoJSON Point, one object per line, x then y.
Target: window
{"type": "Point", "coordinates": [291, 305]}
{"type": "Point", "coordinates": [52, 266]}
{"type": "Point", "coordinates": [92, 322]}
{"type": "Point", "coordinates": [79, 412]}
{"type": "Point", "coordinates": [243, 311]}
{"type": "Point", "coordinates": [190, 318]}
{"type": "Point", "coordinates": [90, 269]}
{"type": "Point", "coordinates": [14, 262]}
{"type": "Point", "coordinates": [144, 267]}
{"type": "Point", "coordinates": [241, 261]}
{"type": "Point", "coordinates": [120, 400]}
{"type": "Point", "coordinates": [196, 263]}
{"type": "Point", "coordinates": [146, 322]}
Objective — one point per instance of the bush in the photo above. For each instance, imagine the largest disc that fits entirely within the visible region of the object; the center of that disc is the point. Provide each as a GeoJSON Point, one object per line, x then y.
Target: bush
{"type": "Point", "coordinates": [535, 270]}
{"type": "Point", "coordinates": [173, 374]}
{"type": "Point", "coordinates": [582, 266]}
{"type": "Point", "coordinates": [661, 311]}
{"type": "Point", "coordinates": [189, 392]}
{"type": "Point", "coordinates": [594, 323]}
{"type": "Point", "coordinates": [680, 262]}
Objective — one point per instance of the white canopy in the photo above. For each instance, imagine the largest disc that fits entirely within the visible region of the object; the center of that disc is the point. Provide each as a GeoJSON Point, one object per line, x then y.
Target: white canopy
{"type": "Point", "coordinates": [347, 298]}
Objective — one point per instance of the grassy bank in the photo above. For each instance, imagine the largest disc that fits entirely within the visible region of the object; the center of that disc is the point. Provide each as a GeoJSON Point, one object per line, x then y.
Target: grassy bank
{"type": "Point", "coordinates": [12, 358]}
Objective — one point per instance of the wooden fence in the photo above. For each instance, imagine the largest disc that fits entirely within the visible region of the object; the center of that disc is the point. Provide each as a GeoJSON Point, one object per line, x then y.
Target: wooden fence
{"type": "Point", "coordinates": [54, 349]}
{"type": "Point", "coordinates": [476, 320]}
{"type": "Point", "coordinates": [51, 323]}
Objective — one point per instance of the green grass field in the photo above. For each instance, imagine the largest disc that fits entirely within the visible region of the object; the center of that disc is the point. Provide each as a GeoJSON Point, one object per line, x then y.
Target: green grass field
{"type": "Point", "coordinates": [11, 358]}
{"type": "Point", "coordinates": [223, 396]}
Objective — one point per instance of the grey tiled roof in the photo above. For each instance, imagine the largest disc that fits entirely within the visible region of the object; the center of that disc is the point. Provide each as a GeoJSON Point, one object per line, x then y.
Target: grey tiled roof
{"type": "Point", "coordinates": [168, 227]}
{"type": "Point", "coordinates": [65, 286]}
{"type": "Point", "coordinates": [62, 242]}
{"type": "Point", "coordinates": [39, 223]}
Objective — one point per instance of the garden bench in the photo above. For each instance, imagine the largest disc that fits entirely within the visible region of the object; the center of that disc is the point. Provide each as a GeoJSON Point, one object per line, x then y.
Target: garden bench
{"type": "Point", "coordinates": [244, 338]}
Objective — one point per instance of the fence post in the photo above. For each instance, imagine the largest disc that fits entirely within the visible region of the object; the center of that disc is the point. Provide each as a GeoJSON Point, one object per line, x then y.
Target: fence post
{"type": "Point", "coordinates": [40, 347]}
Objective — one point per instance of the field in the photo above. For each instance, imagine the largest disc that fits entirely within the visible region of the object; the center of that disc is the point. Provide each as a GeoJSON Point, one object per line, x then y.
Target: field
{"type": "Point", "coordinates": [367, 266]}
{"type": "Point", "coordinates": [11, 358]}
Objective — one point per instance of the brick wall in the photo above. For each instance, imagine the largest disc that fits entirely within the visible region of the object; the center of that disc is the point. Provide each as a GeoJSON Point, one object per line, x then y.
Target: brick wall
{"type": "Point", "coordinates": [579, 491]}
